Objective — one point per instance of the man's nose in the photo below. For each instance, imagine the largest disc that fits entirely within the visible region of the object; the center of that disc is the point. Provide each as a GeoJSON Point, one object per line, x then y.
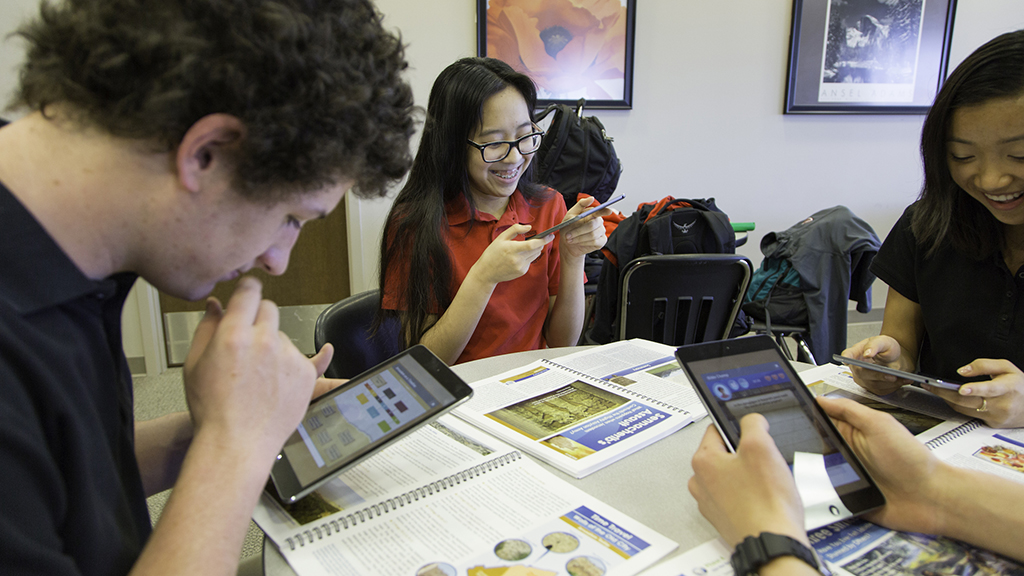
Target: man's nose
{"type": "Point", "coordinates": [275, 259]}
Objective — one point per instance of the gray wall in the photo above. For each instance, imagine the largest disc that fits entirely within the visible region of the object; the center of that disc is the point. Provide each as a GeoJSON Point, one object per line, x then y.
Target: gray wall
{"type": "Point", "coordinates": [12, 12]}
{"type": "Point", "coordinates": [709, 84]}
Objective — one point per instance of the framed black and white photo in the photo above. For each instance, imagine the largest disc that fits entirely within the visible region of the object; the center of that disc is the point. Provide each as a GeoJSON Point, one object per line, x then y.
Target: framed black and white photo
{"type": "Point", "coordinates": [571, 50]}
{"type": "Point", "coordinates": [867, 56]}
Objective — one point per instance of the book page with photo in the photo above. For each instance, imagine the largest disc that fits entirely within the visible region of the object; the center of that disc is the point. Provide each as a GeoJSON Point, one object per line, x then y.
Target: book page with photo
{"type": "Point", "coordinates": [515, 518]}
{"type": "Point", "coordinates": [570, 420]}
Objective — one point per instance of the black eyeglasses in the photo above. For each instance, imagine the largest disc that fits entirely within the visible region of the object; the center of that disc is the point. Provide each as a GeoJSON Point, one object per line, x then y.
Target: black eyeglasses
{"type": "Point", "coordinates": [497, 151]}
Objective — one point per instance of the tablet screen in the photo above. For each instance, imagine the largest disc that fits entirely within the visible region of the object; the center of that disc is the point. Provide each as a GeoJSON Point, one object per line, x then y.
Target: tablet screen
{"type": "Point", "coordinates": [758, 383]}
{"type": "Point", "coordinates": [363, 414]}
{"type": "Point", "coordinates": [749, 375]}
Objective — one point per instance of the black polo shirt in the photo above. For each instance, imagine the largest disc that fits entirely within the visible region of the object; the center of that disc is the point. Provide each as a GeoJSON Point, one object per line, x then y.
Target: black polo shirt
{"type": "Point", "coordinates": [72, 499]}
{"type": "Point", "coordinates": [972, 308]}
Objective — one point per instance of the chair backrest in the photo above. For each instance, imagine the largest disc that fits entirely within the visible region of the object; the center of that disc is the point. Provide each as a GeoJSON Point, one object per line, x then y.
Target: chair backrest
{"type": "Point", "coordinates": [679, 299]}
{"type": "Point", "coordinates": [347, 325]}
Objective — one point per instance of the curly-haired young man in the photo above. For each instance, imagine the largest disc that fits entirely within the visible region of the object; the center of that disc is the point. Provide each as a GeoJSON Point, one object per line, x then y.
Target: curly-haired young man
{"type": "Point", "coordinates": [184, 141]}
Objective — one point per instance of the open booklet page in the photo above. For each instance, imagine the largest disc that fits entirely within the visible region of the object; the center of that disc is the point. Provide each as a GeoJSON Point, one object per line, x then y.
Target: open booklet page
{"type": "Point", "coordinates": [915, 408]}
{"type": "Point", "coordinates": [449, 500]}
{"type": "Point", "coordinates": [974, 445]}
{"type": "Point", "coordinates": [643, 366]}
{"type": "Point", "coordinates": [572, 421]}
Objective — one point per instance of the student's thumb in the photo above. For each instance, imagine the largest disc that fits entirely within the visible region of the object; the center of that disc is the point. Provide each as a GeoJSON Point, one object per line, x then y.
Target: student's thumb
{"type": "Point", "coordinates": [514, 230]}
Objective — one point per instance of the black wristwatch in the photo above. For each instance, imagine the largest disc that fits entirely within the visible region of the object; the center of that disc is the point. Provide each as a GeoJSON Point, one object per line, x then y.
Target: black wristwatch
{"type": "Point", "coordinates": [753, 553]}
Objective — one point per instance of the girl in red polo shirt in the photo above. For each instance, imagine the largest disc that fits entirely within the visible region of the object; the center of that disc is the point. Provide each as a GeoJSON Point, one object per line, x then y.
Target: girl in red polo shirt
{"type": "Point", "coordinates": [455, 265]}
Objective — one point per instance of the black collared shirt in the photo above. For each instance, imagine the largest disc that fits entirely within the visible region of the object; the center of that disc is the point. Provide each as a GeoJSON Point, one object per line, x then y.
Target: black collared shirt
{"type": "Point", "coordinates": [72, 499]}
{"type": "Point", "coordinates": [972, 308]}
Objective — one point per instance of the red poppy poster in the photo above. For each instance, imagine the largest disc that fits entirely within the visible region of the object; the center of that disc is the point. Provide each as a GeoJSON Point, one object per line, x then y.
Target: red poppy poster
{"type": "Point", "coordinates": [572, 49]}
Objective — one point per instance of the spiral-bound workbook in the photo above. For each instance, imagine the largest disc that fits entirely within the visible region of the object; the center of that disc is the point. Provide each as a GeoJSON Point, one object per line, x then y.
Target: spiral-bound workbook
{"type": "Point", "coordinates": [450, 499]}
{"type": "Point", "coordinates": [953, 437]}
{"type": "Point", "coordinates": [976, 446]}
{"type": "Point", "coordinates": [582, 412]}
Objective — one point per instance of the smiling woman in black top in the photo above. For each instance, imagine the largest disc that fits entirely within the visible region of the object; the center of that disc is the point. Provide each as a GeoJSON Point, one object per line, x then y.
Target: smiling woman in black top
{"type": "Point", "coordinates": [954, 262]}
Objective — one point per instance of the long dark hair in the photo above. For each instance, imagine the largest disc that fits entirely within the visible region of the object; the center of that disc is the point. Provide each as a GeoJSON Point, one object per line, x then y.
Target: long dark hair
{"type": "Point", "coordinates": [414, 247]}
{"type": "Point", "coordinates": [945, 212]}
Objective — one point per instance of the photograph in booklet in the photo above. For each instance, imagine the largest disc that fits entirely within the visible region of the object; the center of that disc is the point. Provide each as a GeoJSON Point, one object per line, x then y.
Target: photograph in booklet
{"type": "Point", "coordinates": [974, 445]}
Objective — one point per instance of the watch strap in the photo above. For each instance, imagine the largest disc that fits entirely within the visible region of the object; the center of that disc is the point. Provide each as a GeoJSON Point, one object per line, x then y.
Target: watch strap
{"type": "Point", "coordinates": [754, 552]}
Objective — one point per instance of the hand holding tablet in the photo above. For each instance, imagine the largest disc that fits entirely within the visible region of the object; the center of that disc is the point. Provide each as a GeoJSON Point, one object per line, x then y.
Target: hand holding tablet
{"type": "Point", "coordinates": [358, 418]}
{"type": "Point", "coordinates": [576, 218]}
{"type": "Point", "coordinates": [917, 378]}
{"type": "Point", "coordinates": [737, 377]}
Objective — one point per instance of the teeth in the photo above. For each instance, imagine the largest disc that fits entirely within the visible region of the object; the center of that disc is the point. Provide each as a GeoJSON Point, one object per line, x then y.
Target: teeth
{"type": "Point", "coordinates": [506, 174]}
{"type": "Point", "coordinates": [1004, 198]}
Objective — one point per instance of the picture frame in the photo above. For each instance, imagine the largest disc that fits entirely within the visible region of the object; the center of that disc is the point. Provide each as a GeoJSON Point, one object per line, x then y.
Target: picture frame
{"type": "Point", "coordinates": [570, 52]}
{"type": "Point", "coordinates": [867, 56]}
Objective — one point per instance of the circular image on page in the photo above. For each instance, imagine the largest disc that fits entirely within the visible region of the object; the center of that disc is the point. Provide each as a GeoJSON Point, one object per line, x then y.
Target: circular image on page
{"type": "Point", "coordinates": [512, 550]}
{"type": "Point", "coordinates": [560, 542]}
{"type": "Point", "coordinates": [585, 566]}
{"type": "Point", "coordinates": [437, 569]}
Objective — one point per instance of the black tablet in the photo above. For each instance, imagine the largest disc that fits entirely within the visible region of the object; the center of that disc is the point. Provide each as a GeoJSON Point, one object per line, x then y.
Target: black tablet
{"type": "Point", "coordinates": [746, 375]}
{"type": "Point", "coordinates": [370, 411]}
{"type": "Point", "coordinates": [915, 378]}
{"type": "Point", "coordinates": [575, 218]}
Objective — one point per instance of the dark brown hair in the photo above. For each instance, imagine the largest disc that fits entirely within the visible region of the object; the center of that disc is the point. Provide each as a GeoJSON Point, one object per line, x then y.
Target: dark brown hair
{"type": "Point", "coordinates": [415, 240]}
{"type": "Point", "coordinates": [945, 213]}
{"type": "Point", "coordinates": [317, 83]}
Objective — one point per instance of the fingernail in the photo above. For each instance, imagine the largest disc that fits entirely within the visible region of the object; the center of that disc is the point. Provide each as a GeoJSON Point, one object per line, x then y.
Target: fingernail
{"type": "Point", "coordinates": [210, 308]}
{"type": "Point", "coordinates": [965, 391]}
{"type": "Point", "coordinates": [869, 352]}
{"type": "Point", "coordinates": [965, 369]}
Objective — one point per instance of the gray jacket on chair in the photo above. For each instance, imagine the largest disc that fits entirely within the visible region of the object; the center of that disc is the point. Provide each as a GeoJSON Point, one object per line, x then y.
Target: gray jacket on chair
{"type": "Point", "coordinates": [832, 251]}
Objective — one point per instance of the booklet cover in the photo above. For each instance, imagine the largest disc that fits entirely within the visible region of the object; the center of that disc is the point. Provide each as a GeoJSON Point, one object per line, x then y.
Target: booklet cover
{"type": "Point", "coordinates": [861, 548]}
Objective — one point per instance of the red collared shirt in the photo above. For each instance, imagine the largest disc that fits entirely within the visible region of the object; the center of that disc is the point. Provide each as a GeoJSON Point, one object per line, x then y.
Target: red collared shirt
{"type": "Point", "coordinates": [513, 320]}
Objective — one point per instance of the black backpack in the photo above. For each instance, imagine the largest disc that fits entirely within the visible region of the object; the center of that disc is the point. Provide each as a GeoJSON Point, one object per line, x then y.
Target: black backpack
{"type": "Point", "coordinates": [576, 155]}
{"type": "Point", "coordinates": [668, 226]}
{"type": "Point", "coordinates": [700, 228]}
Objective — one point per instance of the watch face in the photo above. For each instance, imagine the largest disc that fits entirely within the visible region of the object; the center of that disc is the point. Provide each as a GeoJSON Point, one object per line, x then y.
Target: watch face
{"type": "Point", "coordinates": [753, 552]}
{"type": "Point", "coordinates": [778, 545]}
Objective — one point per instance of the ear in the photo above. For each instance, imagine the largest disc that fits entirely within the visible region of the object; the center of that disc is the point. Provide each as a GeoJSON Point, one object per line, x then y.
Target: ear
{"type": "Point", "coordinates": [205, 147]}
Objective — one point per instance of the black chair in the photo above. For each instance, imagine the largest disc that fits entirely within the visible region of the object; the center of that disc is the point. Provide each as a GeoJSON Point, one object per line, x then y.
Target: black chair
{"type": "Point", "coordinates": [347, 325]}
{"type": "Point", "coordinates": [780, 332]}
{"type": "Point", "coordinates": [682, 299]}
